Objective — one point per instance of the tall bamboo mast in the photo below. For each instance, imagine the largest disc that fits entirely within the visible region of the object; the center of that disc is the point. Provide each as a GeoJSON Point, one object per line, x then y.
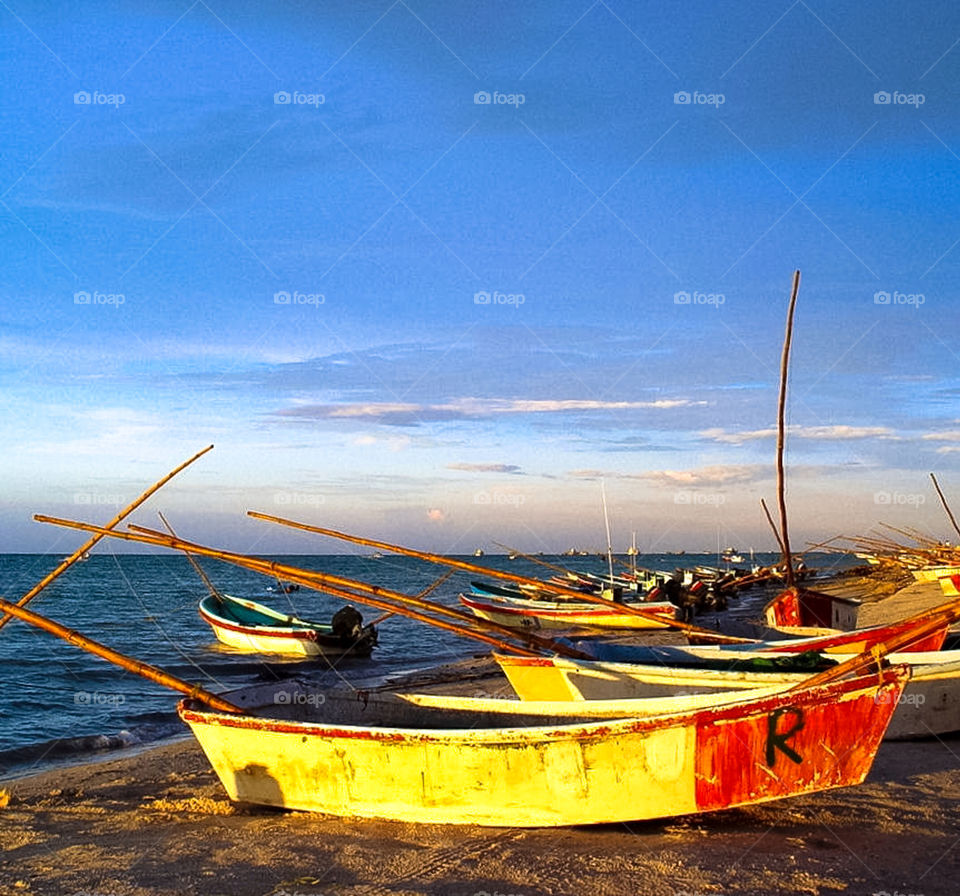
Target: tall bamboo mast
{"type": "Point", "coordinates": [90, 542]}
{"type": "Point", "coordinates": [781, 430]}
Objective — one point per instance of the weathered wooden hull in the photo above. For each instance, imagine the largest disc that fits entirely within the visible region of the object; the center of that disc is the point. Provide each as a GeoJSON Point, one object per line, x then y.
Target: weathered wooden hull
{"type": "Point", "coordinates": [548, 774]}
{"type": "Point", "coordinates": [804, 614]}
{"type": "Point", "coordinates": [929, 705]}
{"type": "Point", "coordinates": [565, 615]}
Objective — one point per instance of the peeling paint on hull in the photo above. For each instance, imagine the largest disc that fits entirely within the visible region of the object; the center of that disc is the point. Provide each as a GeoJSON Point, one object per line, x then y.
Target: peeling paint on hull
{"type": "Point", "coordinates": [548, 775]}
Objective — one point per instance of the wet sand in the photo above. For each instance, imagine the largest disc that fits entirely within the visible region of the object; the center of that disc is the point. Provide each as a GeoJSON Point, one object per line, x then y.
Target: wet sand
{"type": "Point", "coordinates": [158, 822]}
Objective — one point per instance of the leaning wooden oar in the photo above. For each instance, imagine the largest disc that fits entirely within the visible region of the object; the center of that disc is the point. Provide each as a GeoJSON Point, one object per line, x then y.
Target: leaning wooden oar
{"type": "Point", "coordinates": [90, 542]}
{"type": "Point", "coordinates": [381, 598]}
{"type": "Point", "coordinates": [145, 670]}
{"type": "Point", "coordinates": [508, 576]}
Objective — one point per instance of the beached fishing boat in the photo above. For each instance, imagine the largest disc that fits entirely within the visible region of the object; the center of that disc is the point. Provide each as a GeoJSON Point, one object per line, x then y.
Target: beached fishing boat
{"type": "Point", "coordinates": [520, 613]}
{"type": "Point", "coordinates": [930, 703]}
{"type": "Point", "coordinates": [249, 626]}
{"type": "Point", "coordinates": [295, 747]}
{"type": "Point", "coordinates": [800, 611]}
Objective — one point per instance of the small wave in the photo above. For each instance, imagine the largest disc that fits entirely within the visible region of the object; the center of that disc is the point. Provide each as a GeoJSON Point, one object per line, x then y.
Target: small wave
{"type": "Point", "coordinates": [44, 752]}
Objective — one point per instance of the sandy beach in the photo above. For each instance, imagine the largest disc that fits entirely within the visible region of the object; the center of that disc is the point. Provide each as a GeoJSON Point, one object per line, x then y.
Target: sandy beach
{"type": "Point", "coordinates": [159, 822]}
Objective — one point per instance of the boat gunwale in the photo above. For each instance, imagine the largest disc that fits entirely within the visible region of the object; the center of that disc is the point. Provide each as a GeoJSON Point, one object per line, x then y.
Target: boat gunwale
{"type": "Point", "coordinates": [555, 610]}
{"type": "Point", "coordinates": [892, 676]}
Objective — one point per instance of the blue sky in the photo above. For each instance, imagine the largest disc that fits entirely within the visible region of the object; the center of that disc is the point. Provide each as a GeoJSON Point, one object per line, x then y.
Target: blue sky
{"type": "Point", "coordinates": [302, 234]}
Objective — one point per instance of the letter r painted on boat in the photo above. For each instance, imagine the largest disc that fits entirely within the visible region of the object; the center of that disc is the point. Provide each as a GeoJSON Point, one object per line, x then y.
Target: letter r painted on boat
{"type": "Point", "coordinates": [777, 740]}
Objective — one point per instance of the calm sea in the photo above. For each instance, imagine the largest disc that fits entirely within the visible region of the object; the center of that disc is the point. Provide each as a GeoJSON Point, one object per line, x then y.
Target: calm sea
{"type": "Point", "coordinates": [59, 703]}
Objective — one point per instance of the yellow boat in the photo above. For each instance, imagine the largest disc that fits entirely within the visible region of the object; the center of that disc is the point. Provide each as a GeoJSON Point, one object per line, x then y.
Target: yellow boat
{"type": "Point", "coordinates": [379, 757]}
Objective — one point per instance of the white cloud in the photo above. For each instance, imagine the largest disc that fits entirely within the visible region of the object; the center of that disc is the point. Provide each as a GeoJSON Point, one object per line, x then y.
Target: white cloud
{"type": "Point", "coordinates": [485, 468]}
{"type": "Point", "coordinates": [702, 477]}
{"type": "Point", "coordinates": [407, 413]}
{"type": "Point", "coordinates": [392, 443]}
{"type": "Point", "coordinates": [835, 432]}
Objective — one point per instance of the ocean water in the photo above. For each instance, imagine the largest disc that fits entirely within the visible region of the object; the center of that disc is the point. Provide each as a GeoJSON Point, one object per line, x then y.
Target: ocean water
{"type": "Point", "coordinates": [60, 703]}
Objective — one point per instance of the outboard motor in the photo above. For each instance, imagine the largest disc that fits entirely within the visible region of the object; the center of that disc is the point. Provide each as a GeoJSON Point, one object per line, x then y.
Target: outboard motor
{"type": "Point", "coordinates": [347, 624]}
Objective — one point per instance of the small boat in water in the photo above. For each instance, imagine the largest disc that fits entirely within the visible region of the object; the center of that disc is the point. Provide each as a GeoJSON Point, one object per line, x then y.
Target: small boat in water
{"type": "Point", "coordinates": [382, 757]}
{"type": "Point", "coordinates": [252, 627]}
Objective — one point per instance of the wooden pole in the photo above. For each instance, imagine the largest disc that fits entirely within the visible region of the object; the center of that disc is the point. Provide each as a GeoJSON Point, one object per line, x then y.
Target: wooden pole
{"type": "Point", "coordinates": [773, 526]}
{"type": "Point", "coordinates": [946, 506]}
{"type": "Point", "coordinates": [500, 574]}
{"type": "Point", "coordinates": [145, 670]}
{"type": "Point", "coordinates": [196, 566]}
{"type": "Point", "coordinates": [781, 429]}
{"type": "Point", "coordinates": [354, 589]}
{"type": "Point", "coordinates": [381, 598]}
{"type": "Point", "coordinates": [90, 542]}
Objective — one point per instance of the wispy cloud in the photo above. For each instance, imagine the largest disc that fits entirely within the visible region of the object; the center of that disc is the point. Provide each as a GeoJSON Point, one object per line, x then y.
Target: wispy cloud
{"type": "Point", "coordinates": [485, 468]}
{"type": "Point", "coordinates": [702, 477]}
{"type": "Point", "coordinates": [411, 413]}
{"type": "Point", "coordinates": [836, 432]}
